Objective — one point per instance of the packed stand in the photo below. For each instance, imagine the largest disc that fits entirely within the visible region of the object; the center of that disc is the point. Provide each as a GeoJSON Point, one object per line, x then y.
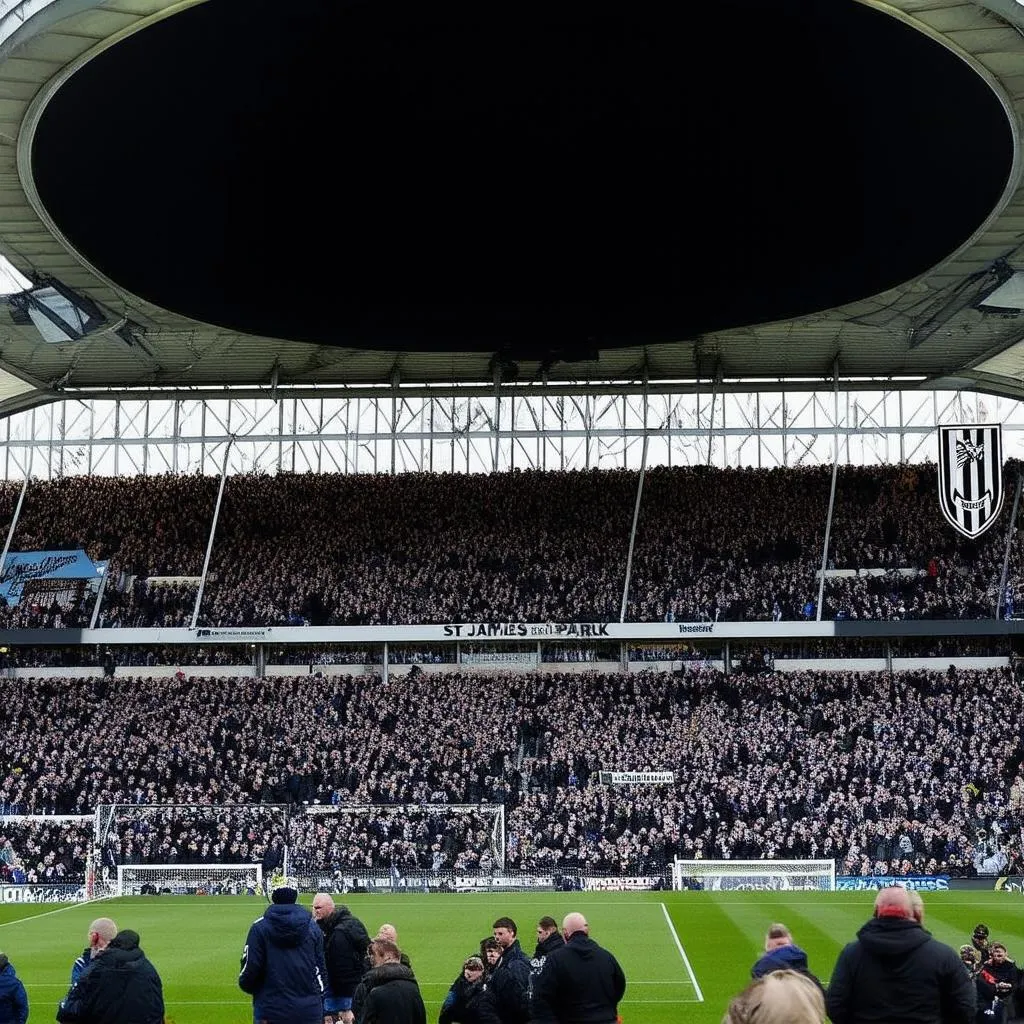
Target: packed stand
{"type": "Point", "coordinates": [918, 770]}
{"type": "Point", "coordinates": [736, 544]}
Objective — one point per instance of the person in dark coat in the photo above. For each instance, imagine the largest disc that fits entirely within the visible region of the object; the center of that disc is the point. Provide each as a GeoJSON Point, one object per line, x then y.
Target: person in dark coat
{"type": "Point", "coordinates": [13, 998]}
{"type": "Point", "coordinates": [101, 931]}
{"type": "Point", "coordinates": [345, 946]}
{"type": "Point", "coordinates": [388, 994]}
{"type": "Point", "coordinates": [781, 953]}
{"type": "Point", "coordinates": [581, 983]}
{"type": "Point", "coordinates": [509, 981]}
{"type": "Point", "coordinates": [995, 982]}
{"type": "Point", "coordinates": [897, 972]}
{"type": "Point", "coordinates": [468, 1001]}
{"type": "Point", "coordinates": [283, 965]}
{"type": "Point", "coordinates": [548, 938]}
{"type": "Point", "coordinates": [120, 986]}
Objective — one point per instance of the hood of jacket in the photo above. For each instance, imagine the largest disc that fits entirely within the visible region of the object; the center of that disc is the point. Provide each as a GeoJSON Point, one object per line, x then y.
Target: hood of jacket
{"type": "Point", "coordinates": [892, 937]}
{"type": "Point", "coordinates": [8, 975]}
{"type": "Point", "coordinates": [287, 924]}
{"type": "Point", "coordinates": [791, 958]}
{"type": "Point", "coordinates": [382, 974]}
{"type": "Point", "coordinates": [581, 945]}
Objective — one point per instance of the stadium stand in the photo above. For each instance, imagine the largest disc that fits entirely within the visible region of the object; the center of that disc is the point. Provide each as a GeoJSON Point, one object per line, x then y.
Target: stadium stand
{"type": "Point", "coordinates": [726, 545]}
{"type": "Point", "coordinates": [884, 773]}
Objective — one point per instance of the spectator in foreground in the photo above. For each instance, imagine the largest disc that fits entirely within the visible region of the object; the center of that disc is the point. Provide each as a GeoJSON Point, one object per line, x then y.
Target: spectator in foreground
{"type": "Point", "coordinates": [345, 946]}
{"type": "Point", "coordinates": [282, 964]}
{"type": "Point", "coordinates": [388, 994]}
{"type": "Point", "coordinates": [509, 981]}
{"type": "Point", "coordinates": [101, 932]}
{"type": "Point", "coordinates": [779, 997]}
{"type": "Point", "coordinates": [13, 998]}
{"type": "Point", "coordinates": [580, 983]}
{"type": "Point", "coordinates": [781, 953]}
{"type": "Point", "coordinates": [897, 972]}
{"type": "Point", "coordinates": [119, 987]}
{"type": "Point", "coordinates": [468, 1001]}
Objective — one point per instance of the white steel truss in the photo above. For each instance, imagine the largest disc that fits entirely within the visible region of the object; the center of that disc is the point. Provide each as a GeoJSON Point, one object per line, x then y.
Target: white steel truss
{"type": "Point", "coordinates": [396, 432]}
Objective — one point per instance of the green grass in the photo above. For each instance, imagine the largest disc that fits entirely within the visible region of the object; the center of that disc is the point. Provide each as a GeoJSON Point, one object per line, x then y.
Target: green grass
{"type": "Point", "coordinates": [196, 942]}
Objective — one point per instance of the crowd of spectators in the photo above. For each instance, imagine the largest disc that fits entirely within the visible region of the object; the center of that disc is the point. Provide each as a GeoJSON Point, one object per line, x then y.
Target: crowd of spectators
{"type": "Point", "coordinates": [322, 549]}
{"type": "Point", "coordinates": [879, 772]}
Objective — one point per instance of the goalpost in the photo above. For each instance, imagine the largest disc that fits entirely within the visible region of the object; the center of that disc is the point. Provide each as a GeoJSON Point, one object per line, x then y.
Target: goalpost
{"type": "Point", "coordinates": [355, 844]}
{"type": "Point", "coordinates": [725, 875]}
{"type": "Point", "coordinates": [190, 879]}
{"type": "Point", "coordinates": [187, 848]}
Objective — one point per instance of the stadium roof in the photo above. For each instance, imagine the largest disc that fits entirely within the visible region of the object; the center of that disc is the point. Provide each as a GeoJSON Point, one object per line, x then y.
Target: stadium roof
{"type": "Point", "coordinates": [926, 332]}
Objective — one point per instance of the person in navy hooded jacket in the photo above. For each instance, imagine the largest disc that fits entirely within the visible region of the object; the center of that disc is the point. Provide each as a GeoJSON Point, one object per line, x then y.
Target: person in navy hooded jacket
{"type": "Point", "coordinates": [283, 964]}
{"type": "Point", "coordinates": [13, 1000]}
{"type": "Point", "coordinates": [781, 953]}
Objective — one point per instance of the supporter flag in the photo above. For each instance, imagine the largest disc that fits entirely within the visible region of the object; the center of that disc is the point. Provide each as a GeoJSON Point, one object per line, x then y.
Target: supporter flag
{"type": "Point", "coordinates": [971, 476]}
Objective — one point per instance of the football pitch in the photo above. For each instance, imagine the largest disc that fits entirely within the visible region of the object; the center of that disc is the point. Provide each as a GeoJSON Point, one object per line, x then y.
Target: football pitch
{"type": "Point", "coordinates": [684, 954]}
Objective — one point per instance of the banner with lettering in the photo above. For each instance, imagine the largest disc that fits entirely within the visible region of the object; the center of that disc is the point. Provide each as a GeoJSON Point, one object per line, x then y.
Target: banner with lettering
{"type": "Point", "coordinates": [22, 567]}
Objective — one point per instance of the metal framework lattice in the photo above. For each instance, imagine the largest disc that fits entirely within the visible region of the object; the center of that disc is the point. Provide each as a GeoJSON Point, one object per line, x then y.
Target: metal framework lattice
{"type": "Point", "coordinates": [449, 432]}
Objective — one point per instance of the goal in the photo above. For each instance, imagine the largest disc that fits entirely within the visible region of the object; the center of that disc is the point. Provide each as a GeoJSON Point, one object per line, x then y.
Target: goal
{"type": "Point", "coordinates": [190, 879]}
{"type": "Point", "coordinates": [394, 845]}
{"type": "Point", "coordinates": [725, 875]}
{"type": "Point", "coordinates": [187, 847]}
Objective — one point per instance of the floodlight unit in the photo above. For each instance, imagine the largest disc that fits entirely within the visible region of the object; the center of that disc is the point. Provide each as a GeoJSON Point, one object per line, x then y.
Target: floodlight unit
{"type": "Point", "coordinates": [1008, 297]}
{"type": "Point", "coordinates": [57, 312]}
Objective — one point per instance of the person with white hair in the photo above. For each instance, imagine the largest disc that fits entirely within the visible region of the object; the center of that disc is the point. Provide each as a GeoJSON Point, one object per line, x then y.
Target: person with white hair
{"type": "Point", "coordinates": [581, 983]}
{"type": "Point", "coordinates": [778, 997]}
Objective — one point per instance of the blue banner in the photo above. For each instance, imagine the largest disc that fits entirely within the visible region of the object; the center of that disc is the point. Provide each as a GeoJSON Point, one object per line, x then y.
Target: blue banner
{"type": "Point", "coordinates": [923, 883]}
{"type": "Point", "coordinates": [23, 566]}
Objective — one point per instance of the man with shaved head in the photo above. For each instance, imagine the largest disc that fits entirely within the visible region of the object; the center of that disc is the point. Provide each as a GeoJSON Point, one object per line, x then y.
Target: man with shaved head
{"type": "Point", "coordinates": [580, 983]}
{"type": "Point", "coordinates": [897, 973]}
{"type": "Point", "coordinates": [345, 942]}
{"type": "Point", "coordinates": [101, 931]}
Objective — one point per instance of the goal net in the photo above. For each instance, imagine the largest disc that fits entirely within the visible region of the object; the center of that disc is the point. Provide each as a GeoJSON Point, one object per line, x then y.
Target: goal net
{"type": "Point", "coordinates": [723, 875]}
{"type": "Point", "coordinates": [187, 847]}
{"type": "Point", "coordinates": [338, 847]}
{"type": "Point", "coordinates": [190, 879]}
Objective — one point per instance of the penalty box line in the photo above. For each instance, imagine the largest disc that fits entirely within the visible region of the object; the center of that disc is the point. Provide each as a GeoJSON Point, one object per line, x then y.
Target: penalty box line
{"type": "Point", "coordinates": [682, 953]}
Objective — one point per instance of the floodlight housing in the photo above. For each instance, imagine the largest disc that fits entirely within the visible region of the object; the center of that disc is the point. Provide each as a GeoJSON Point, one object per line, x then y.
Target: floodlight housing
{"type": "Point", "coordinates": [58, 313]}
{"type": "Point", "coordinates": [1007, 297]}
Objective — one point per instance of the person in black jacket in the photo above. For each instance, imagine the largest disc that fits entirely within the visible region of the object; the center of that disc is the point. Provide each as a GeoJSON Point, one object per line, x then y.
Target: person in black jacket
{"type": "Point", "coordinates": [897, 972]}
{"type": "Point", "coordinates": [388, 994]}
{"type": "Point", "coordinates": [345, 946]}
{"type": "Point", "coordinates": [581, 983]}
{"type": "Point", "coordinates": [283, 964]}
{"type": "Point", "coordinates": [468, 1001]}
{"type": "Point", "coordinates": [548, 940]}
{"type": "Point", "coordinates": [509, 981]}
{"type": "Point", "coordinates": [120, 986]}
{"type": "Point", "coordinates": [996, 982]}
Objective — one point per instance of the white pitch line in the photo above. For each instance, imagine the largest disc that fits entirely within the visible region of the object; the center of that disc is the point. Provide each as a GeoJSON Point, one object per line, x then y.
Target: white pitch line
{"type": "Point", "coordinates": [682, 953]}
{"type": "Point", "coordinates": [35, 917]}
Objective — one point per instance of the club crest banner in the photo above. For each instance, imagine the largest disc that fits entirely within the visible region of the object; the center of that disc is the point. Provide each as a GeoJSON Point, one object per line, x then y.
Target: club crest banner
{"type": "Point", "coordinates": [971, 476]}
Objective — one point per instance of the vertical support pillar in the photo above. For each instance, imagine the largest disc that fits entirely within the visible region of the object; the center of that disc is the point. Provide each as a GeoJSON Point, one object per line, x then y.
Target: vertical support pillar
{"type": "Point", "coordinates": [384, 664]}
{"type": "Point", "coordinates": [176, 436]}
{"type": "Point", "coordinates": [636, 517]}
{"type": "Point", "coordinates": [14, 524]}
{"type": "Point", "coordinates": [100, 591]}
{"type": "Point", "coordinates": [832, 492]}
{"type": "Point", "coordinates": [1006, 554]}
{"type": "Point", "coordinates": [711, 418]}
{"type": "Point", "coordinates": [726, 658]}
{"type": "Point", "coordinates": [213, 533]}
